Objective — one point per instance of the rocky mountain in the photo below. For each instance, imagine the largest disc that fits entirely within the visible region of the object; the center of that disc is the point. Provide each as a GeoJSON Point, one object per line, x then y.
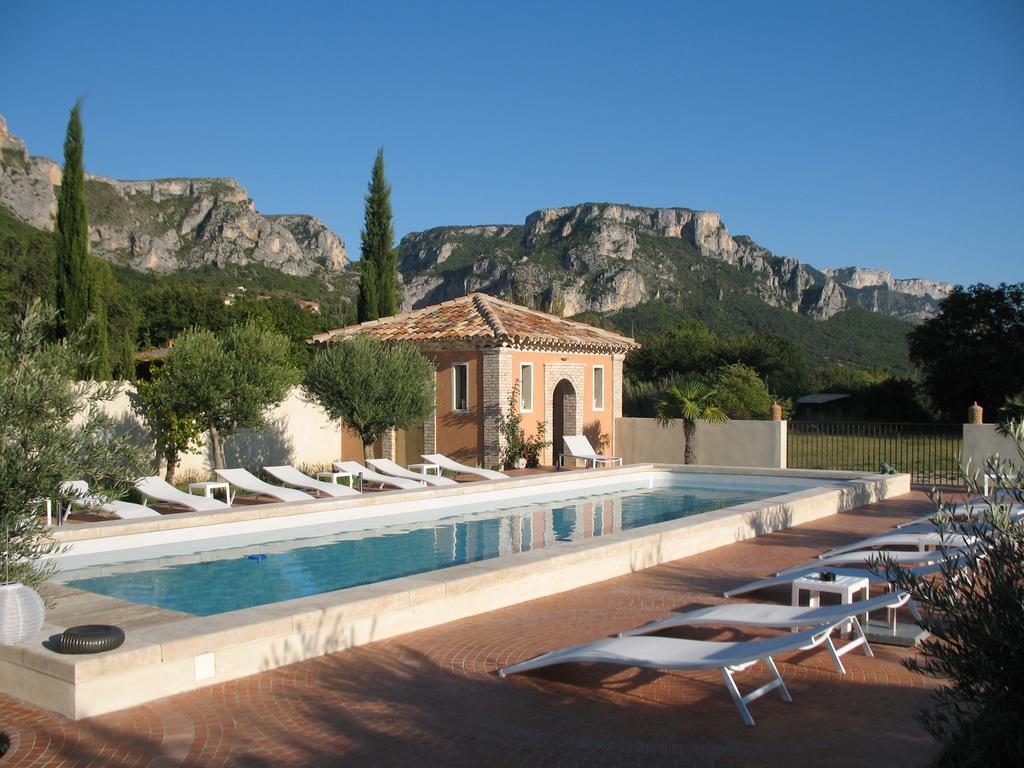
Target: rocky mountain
{"type": "Point", "coordinates": [604, 258]}
{"type": "Point", "coordinates": [595, 257]}
{"type": "Point", "coordinates": [170, 224]}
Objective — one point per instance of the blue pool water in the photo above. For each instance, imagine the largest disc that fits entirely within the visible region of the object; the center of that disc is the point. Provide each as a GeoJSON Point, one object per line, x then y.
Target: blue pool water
{"type": "Point", "coordinates": [213, 582]}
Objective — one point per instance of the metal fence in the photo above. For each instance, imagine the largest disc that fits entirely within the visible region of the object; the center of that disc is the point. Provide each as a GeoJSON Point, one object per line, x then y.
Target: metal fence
{"type": "Point", "coordinates": [929, 452]}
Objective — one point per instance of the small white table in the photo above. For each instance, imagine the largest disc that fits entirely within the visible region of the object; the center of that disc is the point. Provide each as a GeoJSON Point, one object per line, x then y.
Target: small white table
{"type": "Point", "coordinates": [844, 586]}
{"type": "Point", "coordinates": [332, 477]}
{"type": "Point", "coordinates": [426, 469]}
{"type": "Point", "coordinates": [207, 487]}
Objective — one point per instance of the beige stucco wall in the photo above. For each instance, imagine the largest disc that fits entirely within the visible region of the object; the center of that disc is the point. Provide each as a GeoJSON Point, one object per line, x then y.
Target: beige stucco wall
{"type": "Point", "coordinates": [551, 367]}
{"type": "Point", "coordinates": [982, 441]}
{"type": "Point", "coordinates": [733, 444]}
{"type": "Point", "coordinates": [298, 433]}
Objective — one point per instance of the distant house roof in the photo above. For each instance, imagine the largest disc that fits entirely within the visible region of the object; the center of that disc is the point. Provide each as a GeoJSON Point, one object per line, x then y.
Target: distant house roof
{"type": "Point", "coordinates": [151, 354]}
{"type": "Point", "coordinates": [479, 320]}
{"type": "Point", "coordinates": [819, 399]}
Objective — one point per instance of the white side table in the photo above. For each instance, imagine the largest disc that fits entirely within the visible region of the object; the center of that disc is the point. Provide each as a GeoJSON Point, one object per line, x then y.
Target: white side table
{"type": "Point", "coordinates": [333, 477]}
{"type": "Point", "coordinates": [844, 586]}
{"type": "Point", "coordinates": [209, 486]}
{"type": "Point", "coordinates": [426, 469]}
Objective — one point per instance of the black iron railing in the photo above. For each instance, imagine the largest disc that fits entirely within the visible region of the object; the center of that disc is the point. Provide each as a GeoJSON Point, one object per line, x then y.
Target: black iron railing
{"type": "Point", "coordinates": [929, 452]}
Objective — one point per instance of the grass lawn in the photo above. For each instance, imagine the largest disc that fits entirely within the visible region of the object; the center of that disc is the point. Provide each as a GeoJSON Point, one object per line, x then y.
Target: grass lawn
{"type": "Point", "coordinates": [928, 452]}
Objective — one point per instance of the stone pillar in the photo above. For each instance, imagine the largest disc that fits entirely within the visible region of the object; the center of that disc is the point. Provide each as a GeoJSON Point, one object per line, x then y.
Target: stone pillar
{"type": "Point", "coordinates": [975, 413]}
{"type": "Point", "coordinates": [616, 398]}
{"type": "Point", "coordinates": [389, 445]}
{"type": "Point", "coordinates": [430, 427]}
{"type": "Point", "coordinates": [497, 373]}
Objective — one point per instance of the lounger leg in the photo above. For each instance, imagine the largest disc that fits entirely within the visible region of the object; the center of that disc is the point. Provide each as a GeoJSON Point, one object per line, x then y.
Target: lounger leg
{"type": "Point", "coordinates": [861, 638]}
{"type": "Point", "coordinates": [741, 705]}
{"type": "Point", "coordinates": [742, 701]}
{"type": "Point", "coordinates": [783, 690]}
{"type": "Point", "coordinates": [914, 610]}
{"type": "Point", "coordinates": [835, 655]}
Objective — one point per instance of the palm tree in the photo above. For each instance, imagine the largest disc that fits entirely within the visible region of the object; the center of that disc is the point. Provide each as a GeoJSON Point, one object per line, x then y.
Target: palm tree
{"type": "Point", "coordinates": [692, 401]}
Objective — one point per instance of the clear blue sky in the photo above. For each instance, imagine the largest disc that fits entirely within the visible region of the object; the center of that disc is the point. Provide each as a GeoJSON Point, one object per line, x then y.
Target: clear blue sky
{"type": "Point", "coordinates": [875, 133]}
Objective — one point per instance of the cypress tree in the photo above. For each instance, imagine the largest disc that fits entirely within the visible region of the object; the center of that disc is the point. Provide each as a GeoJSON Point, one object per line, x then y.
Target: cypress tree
{"type": "Point", "coordinates": [368, 298]}
{"type": "Point", "coordinates": [378, 286]}
{"type": "Point", "coordinates": [79, 299]}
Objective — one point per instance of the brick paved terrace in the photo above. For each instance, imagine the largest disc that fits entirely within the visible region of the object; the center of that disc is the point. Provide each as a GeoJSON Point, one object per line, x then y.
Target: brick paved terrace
{"type": "Point", "coordinates": [433, 698]}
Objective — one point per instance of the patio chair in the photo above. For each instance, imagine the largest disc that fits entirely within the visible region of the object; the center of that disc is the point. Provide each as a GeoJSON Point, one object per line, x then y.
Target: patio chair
{"type": "Point", "coordinates": [785, 617]}
{"type": "Point", "coordinates": [247, 481]}
{"type": "Point", "coordinates": [579, 447]}
{"type": "Point", "coordinates": [161, 490]}
{"type": "Point", "coordinates": [670, 653]}
{"type": "Point", "coordinates": [450, 465]}
{"type": "Point", "coordinates": [80, 495]}
{"type": "Point", "coordinates": [289, 475]}
{"type": "Point", "coordinates": [356, 469]}
{"type": "Point", "coordinates": [388, 467]}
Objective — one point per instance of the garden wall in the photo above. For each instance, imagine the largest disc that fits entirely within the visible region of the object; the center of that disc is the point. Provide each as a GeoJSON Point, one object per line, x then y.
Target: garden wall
{"type": "Point", "coordinates": [732, 444]}
{"type": "Point", "coordinates": [982, 441]}
{"type": "Point", "coordinates": [298, 433]}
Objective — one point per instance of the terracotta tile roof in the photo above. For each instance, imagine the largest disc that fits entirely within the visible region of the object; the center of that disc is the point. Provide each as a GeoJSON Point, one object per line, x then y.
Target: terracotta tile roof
{"type": "Point", "coordinates": [484, 321]}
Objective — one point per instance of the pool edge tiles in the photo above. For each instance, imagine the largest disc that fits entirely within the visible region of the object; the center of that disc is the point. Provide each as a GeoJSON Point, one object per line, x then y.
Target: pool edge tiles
{"type": "Point", "coordinates": [178, 656]}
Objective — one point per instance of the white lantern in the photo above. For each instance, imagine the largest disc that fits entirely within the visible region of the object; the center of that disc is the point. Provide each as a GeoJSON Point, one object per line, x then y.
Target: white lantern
{"type": "Point", "coordinates": [21, 613]}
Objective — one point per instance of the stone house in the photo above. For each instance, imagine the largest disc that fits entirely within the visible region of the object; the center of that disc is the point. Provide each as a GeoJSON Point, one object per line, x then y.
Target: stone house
{"type": "Point", "coordinates": [569, 376]}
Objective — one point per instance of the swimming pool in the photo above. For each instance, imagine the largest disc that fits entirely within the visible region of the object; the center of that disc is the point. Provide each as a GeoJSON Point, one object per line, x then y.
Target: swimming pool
{"type": "Point", "coordinates": [313, 561]}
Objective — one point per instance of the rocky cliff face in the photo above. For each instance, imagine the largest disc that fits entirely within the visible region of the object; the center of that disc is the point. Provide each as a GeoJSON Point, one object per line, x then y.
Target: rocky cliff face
{"type": "Point", "coordinates": [26, 182]}
{"type": "Point", "coordinates": [604, 258]}
{"type": "Point", "coordinates": [170, 224]}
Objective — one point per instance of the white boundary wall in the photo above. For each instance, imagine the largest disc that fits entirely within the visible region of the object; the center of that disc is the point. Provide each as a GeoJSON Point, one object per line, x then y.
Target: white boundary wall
{"type": "Point", "coordinates": [982, 441]}
{"type": "Point", "coordinates": [298, 433]}
{"type": "Point", "coordinates": [732, 444]}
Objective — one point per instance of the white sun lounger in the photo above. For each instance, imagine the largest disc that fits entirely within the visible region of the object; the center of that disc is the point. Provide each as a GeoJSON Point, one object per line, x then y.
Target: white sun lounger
{"type": "Point", "coordinates": [863, 557]}
{"type": "Point", "coordinates": [161, 490]}
{"type": "Point", "coordinates": [388, 467]}
{"type": "Point", "coordinates": [862, 573]}
{"type": "Point", "coordinates": [923, 540]}
{"type": "Point", "coordinates": [247, 481]}
{"type": "Point", "coordinates": [81, 496]}
{"type": "Point", "coordinates": [289, 475]}
{"type": "Point", "coordinates": [669, 653]}
{"type": "Point", "coordinates": [578, 447]}
{"type": "Point", "coordinates": [356, 469]}
{"type": "Point", "coordinates": [965, 513]}
{"type": "Point", "coordinates": [784, 617]}
{"type": "Point", "coordinates": [453, 466]}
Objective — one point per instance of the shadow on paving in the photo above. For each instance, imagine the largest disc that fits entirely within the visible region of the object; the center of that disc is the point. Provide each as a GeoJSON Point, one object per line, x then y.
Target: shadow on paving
{"type": "Point", "coordinates": [381, 710]}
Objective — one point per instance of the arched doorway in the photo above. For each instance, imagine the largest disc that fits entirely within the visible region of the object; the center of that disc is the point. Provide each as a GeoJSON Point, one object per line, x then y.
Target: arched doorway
{"type": "Point", "coordinates": [563, 421]}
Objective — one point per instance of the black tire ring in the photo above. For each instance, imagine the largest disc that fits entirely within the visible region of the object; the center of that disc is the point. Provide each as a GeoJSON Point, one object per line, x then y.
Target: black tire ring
{"type": "Point", "coordinates": [90, 638]}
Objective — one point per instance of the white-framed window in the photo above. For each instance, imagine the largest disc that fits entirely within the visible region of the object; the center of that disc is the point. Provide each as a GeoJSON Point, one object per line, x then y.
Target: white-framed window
{"type": "Point", "coordinates": [526, 387]}
{"type": "Point", "coordinates": [598, 387]}
{"type": "Point", "coordinates": [460, 387]}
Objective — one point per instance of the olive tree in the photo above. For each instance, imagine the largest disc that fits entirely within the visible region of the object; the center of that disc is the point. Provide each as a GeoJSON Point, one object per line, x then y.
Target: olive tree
{"type": "Point", "coordinates": [53, 430]}
{"type": "Point", "coordinates": [975, 614]}
{"type": "Point", "coordinates": [372, 386]}
{"type": "Point", "coordinates": [226, 381]}
{"type": "Point", "coordinates": [174, 432]}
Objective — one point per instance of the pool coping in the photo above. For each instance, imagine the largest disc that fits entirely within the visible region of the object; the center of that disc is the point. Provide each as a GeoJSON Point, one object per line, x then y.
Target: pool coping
{"type": "Point", "coordinates": [190, 653]}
